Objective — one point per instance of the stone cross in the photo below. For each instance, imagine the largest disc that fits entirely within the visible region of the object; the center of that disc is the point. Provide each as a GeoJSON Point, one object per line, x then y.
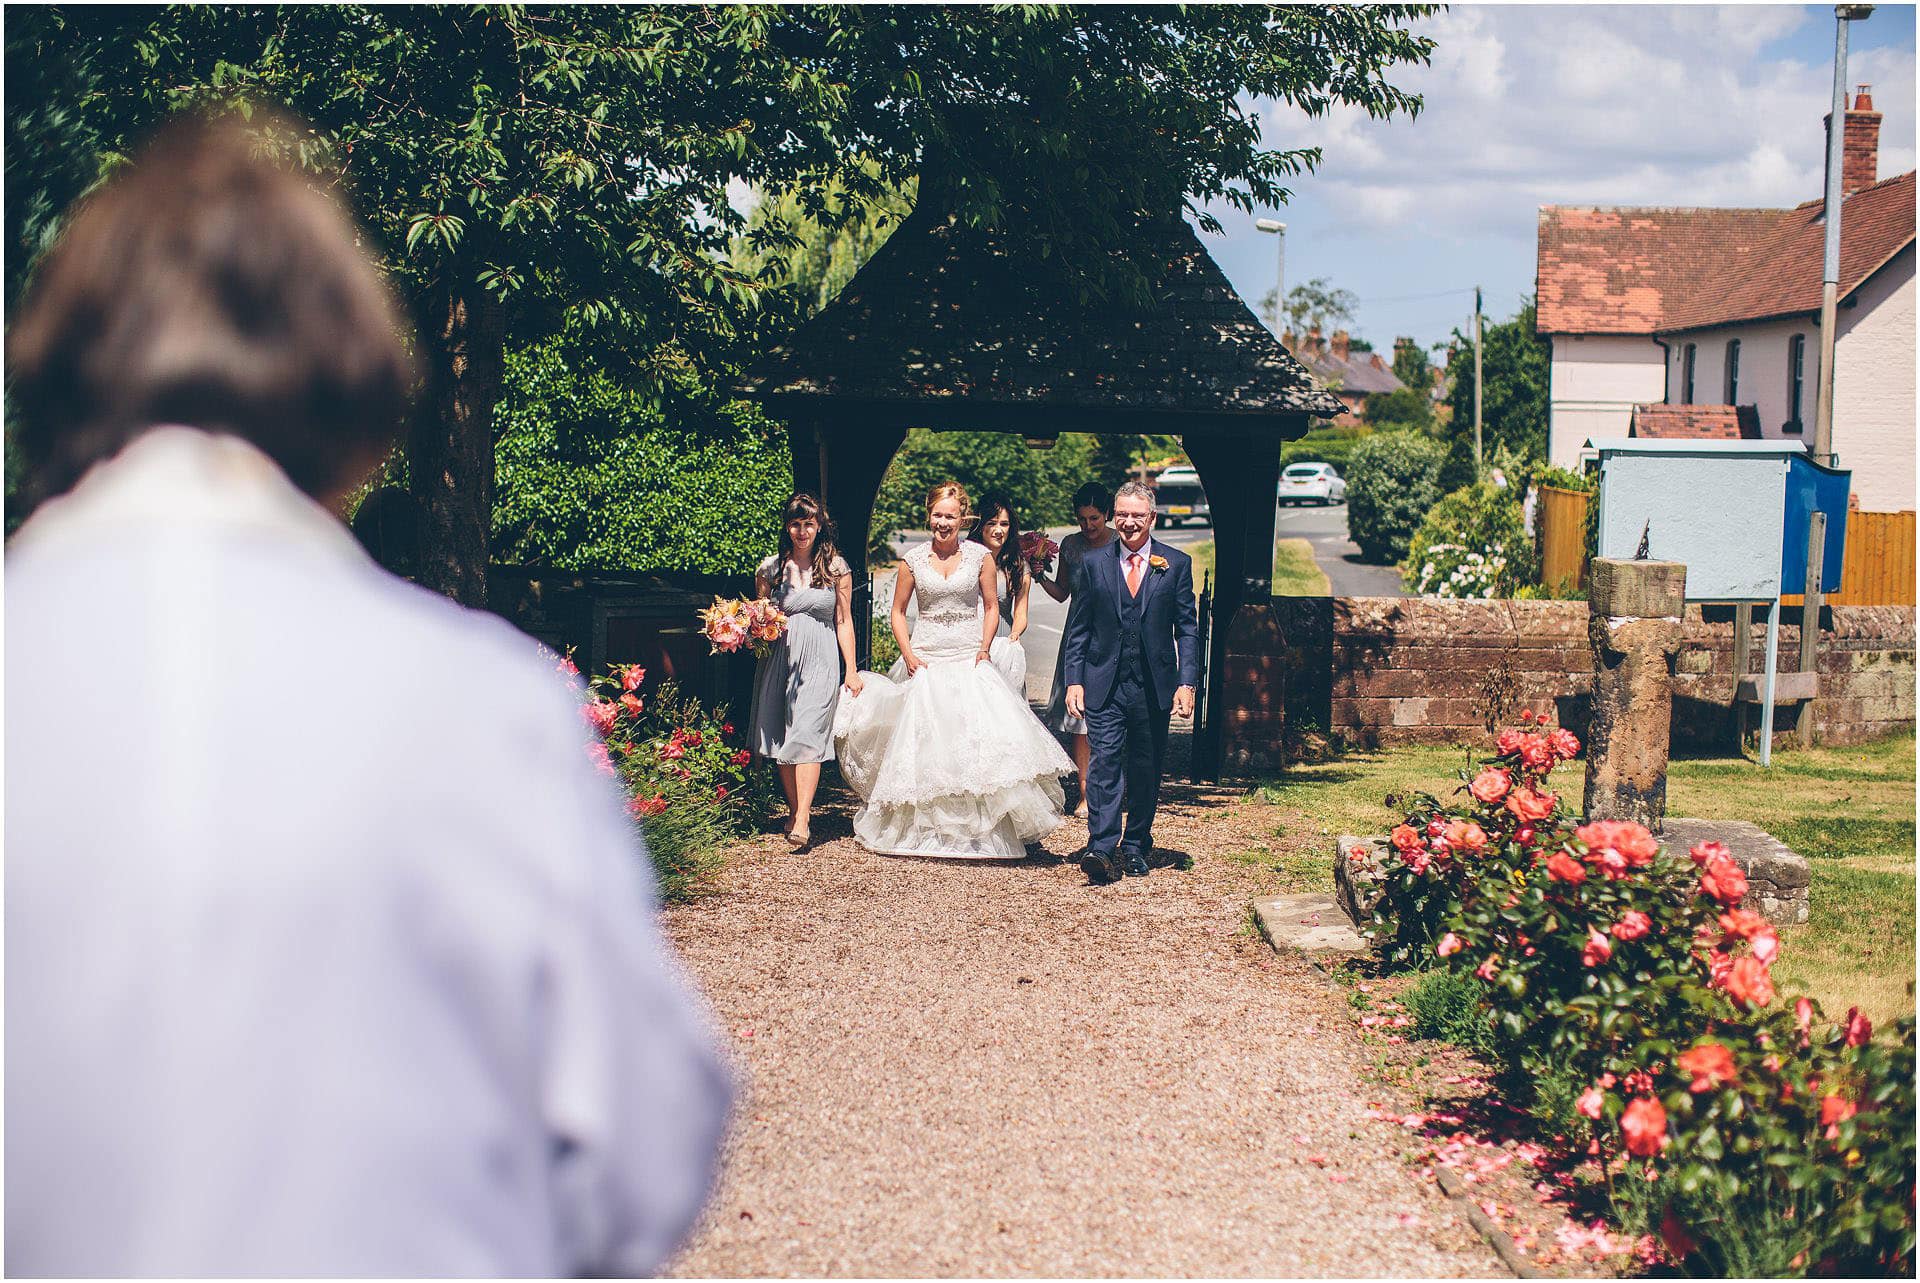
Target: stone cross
{"type": "Point", "coordinates": [1633, 625]}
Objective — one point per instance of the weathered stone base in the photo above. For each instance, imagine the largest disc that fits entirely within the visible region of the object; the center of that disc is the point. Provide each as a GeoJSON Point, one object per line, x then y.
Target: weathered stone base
{"type": "Point", "coordinates": [1311, 924]}
{"type": "Point", "coordinates": [1778, 881]}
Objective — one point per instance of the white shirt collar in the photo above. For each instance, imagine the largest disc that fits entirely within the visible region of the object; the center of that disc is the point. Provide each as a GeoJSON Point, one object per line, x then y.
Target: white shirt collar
{"type": "Point", "coordinates": [183, 478]}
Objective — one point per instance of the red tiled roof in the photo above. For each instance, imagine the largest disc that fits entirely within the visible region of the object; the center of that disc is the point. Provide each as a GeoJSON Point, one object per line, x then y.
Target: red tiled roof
{"type": "Point", "coordinates": [1695, 422]}
{"type": "Point", "coordinates": [1629, 270]}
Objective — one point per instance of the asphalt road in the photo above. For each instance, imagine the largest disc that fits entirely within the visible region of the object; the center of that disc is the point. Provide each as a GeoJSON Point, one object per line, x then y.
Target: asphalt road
{"type": "Point", "coordinates": [1339, 556]}
{"type": "Point", "coordinates": [1324, 528]}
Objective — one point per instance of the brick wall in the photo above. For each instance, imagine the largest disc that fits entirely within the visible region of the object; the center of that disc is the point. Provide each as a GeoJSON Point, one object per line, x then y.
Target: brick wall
{"type": "Point", "coordinates": [1376, 671]}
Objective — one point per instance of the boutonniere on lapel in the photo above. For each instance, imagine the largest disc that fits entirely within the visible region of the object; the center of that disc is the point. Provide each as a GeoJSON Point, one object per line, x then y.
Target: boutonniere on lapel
{"type": "Point", "coordinates": [1157, 563]}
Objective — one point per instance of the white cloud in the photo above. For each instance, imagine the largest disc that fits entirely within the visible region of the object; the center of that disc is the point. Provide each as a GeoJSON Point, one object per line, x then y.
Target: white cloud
{"type": "Point", "coordinates": [1528, 106]}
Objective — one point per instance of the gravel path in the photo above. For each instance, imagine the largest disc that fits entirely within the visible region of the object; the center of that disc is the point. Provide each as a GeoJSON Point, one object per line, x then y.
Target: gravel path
{"type": "Point", "coordinates": [991, 1069]}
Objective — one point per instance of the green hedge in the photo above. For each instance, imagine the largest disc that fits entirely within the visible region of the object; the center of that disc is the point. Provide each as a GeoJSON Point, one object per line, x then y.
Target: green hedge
{"type": "Point", "coordinates": [591, 476]}
{"type": "Point", "coordinates": [1473, 543]}
{"type": "Point", "coordinates": [1392, 480]}
{"type": "Point", "coordinates": [1325, 445]}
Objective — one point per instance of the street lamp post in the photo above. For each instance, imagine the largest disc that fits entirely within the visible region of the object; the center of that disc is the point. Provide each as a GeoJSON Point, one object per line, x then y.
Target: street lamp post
{"type": "Point", "coordinates": [1830, 267]}
{"type": "Point", "coordinates": [1279, 229]}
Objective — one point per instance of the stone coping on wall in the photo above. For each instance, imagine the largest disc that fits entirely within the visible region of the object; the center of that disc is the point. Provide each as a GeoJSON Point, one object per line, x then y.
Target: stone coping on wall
{"type": "Point", "coordinates": [1373, 671]}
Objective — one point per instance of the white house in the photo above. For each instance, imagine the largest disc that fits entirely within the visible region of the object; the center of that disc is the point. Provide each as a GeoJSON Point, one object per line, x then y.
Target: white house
{"type": "Point", "coordinates": [1719, 309]}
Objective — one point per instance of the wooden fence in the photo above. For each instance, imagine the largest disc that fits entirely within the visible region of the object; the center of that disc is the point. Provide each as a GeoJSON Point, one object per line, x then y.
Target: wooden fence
{"type": "Point", "coordinates": [1562, 519]}
{"type": "Point", "coordinates": [1879, 564]}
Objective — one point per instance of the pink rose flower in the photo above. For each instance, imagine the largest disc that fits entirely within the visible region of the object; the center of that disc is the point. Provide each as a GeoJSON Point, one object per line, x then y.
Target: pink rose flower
{"type": "Point", "coordinates": [1859, 1028]}
{"type": "Point", "coordinates": [601, 715]}
{"type": "Point", "coordinates": [1748, 982]}
{"type": "Point", "coordinates": [1723, 881]}
{"type": "Point", "coordinates": [1707, 852]}
{"type": "Point", "coordinates": [1632, 925]}
{"type": "Point", "coordinates": [1448, 946]}
{"type": "Point", "coordinates": [631, 677]}
{"type": "Point", "coordinates": [1491, 785]}
{"type": "Point", "coordinates": [1598, 949]}
{"type": "Point", "coordinates": [1405, 838]}
{"type": "Point", "coordinates": [1644, 1124]}
{"type": "Point", "coordinates": [1565, 744]}
{"type": "Point", "coordinates": [1590, 1102]}
{"type": "Point", "coordinates": [1562, 867]}
{"type": "Point", "coordinates": [1466, 835]}
{"type": "Point", "coordinates": [1530, 806]}
{"type": "Point", "coordinates": [1710, 1064]}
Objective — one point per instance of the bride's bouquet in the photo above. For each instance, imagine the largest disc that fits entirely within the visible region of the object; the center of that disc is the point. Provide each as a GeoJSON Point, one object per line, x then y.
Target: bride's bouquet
{"type": "Point", "coordinates": [1039, 551]}
{"type": "Point", "coordinates": [732, 623]}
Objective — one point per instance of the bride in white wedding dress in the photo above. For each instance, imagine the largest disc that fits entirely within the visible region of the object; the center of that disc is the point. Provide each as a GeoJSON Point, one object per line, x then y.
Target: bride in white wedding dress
{"type": "Point", "coordinates": [946, 757]}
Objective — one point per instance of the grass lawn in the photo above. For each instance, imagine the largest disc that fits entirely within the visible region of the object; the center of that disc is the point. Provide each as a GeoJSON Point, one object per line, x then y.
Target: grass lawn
{"type": "Point", "coordinates": [1849, 811]}
{"type": "Point", "coordinates": [1295, 573]}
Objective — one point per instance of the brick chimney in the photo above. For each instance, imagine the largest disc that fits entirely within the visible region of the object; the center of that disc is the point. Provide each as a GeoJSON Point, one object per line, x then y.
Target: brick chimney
{"type": "Point", "coordinates": [1340, 345]}
{"type": "Point", "coordinates": [1373, 359]}
{"type": "Point", "coordinates": [1860, 148]}
{"type": "Point", "coordinates": [1312, 342]}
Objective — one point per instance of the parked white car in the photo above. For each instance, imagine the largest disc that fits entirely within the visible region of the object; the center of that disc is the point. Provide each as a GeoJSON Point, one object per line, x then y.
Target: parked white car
{"type": "Point", "coordinates": [1311, 483]}
{"type": "Point", "coordinates": [1179, 498]}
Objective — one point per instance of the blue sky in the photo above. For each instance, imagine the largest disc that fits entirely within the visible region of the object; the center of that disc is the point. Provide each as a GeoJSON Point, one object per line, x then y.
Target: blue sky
{"type": "Point", "coordinates": [1532, 105]}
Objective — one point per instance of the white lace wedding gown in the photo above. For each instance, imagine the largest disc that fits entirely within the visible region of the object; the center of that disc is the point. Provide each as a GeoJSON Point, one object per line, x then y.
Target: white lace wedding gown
{"type": "Point", "coordinates": [949, 762]}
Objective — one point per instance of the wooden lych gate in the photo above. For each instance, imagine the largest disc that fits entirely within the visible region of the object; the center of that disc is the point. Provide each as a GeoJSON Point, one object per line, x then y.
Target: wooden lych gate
{"type": "Point", "coordinates": [950, 327]}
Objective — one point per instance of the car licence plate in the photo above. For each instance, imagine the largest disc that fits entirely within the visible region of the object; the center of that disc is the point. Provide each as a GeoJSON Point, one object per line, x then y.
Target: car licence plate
{"type": "Point", "coordinates": [1180, 510]}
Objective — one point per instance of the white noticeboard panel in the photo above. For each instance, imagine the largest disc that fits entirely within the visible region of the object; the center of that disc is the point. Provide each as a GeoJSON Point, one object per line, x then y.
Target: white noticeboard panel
{"type": "Point", "coordinates": [1717, 506]}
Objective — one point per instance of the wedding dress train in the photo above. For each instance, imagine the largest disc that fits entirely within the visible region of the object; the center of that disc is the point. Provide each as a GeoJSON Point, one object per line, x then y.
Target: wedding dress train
{"type": "Point", "coordinates": [949, 762]}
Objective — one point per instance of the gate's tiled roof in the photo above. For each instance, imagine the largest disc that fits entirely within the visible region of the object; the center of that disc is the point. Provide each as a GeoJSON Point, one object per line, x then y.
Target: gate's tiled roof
{"type": "Point", "coordinates": [947, 313]}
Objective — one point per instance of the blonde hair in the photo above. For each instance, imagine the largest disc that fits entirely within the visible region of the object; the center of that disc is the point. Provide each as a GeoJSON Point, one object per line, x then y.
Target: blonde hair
{"type": "Point", "coordinates": [950, 490]}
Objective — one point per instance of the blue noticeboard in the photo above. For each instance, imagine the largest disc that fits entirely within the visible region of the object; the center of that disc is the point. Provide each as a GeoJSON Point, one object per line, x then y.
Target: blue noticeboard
{"type": "Point", "coordinates": [1812, 488]}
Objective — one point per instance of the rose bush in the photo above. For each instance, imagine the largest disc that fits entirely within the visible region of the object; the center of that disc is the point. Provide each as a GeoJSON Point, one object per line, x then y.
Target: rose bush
{"type": "Point", "coordinates": [1749, 1134]}
{"type": "Point", "coordinates": [691, 785]}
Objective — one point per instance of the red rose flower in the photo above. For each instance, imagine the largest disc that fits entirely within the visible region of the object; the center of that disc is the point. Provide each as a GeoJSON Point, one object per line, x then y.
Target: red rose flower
{"type": "Point", "coordinates": [1436, 826]}
{"type": "Point", "coordinates": [1536, 753]}
{"type": "Point", "coordinates": [1632, 925]}
{"type": "Point", "coordinates": [741, 758]}
{"type": "Point", "coordinates": [726, 728]}
{"type": "Point", "coordinates": [1803, 1015]}
{"type": "Point", "coordinates": [1674, 1236]}
{"type": "Point", "coordinates": [1598, 949]}
{"type": "Point", "coordinates": [1637, 1083]}
{"type": "Point", "coordinates": [1564, 868]}
{"type": "Point", "coordinates": [1528, 805]}
{"type": "Point", "coordinates": [1859, 1028]}
{"type": "Point", "coordinates": [600, 714]}
{"type": "Point", "coordinates": [1611, 862]}
{"type": "Point", "coordinates": [673, 750]}
{"type": "Point", "coordinates": [1748, 982]}
{"type": "Point", "coordinates": [1466, 835]}
{"type": "Point", "coordinates": [1723, 880]}
{"type": "Point", "coordinates": [695, 738]}
{"type": "Point", "coordinates": [720, 793]}
{"type": "Point", "coordinates": [1405, 837]}
{"type": "Point", "coordinates": [1636, 846]}
{"type": "Point", "coordinates": [1509, 741]}
{"type": "Point", "coordinates": [1523, 834]}
{"type": "Point", "coordinates": [1590, 1102]}
{"type": "Point", "coordinates": [1644, 1123]}
{"type": "Point", "coordinates": [1565, 744]}
{"type": "Point", "coordinates": [1419, 861]}
{"type": "Point", "coordinates": [1707, 852]}
{"type": "Point", "coordinates": [1488, 969]}
{"type": "Point", "coordinates": [1490, 785]}
{"type": "Point", "coordinates": [632, 704]}
{"type": "Point", "coordinates": [1834, 1110]}
{"type": "Point", "coordinates": [1710, 1063]}
{"type": "Point", "coordinates": [631, 677]}
{"type": "Point", "coordinates": [602, 760]}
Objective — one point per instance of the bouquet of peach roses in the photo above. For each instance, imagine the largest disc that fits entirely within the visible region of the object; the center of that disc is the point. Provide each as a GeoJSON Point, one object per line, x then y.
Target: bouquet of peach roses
{"type": "Point", "coordinates": [730, 624]}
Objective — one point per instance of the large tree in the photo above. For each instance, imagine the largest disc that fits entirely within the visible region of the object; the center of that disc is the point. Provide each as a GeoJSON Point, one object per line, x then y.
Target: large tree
{"type": "Point", "coordinates": [1517, 363]}
{"type": "Point", "coordinates": [522, 167]}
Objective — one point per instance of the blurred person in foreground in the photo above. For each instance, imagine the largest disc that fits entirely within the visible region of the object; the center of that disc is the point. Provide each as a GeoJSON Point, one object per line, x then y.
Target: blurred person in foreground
{"type": "Point", "coordinates": [327, 951]}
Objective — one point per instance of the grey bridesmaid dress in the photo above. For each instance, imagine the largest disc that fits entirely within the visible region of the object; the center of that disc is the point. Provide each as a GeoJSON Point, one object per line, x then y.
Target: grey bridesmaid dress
{"type": "Point", "coordinates": [797, 686]}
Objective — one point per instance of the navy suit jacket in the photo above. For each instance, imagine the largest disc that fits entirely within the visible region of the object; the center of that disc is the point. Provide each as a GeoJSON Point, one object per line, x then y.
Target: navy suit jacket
{"type": "Point", "coordinates": [1169, 624]}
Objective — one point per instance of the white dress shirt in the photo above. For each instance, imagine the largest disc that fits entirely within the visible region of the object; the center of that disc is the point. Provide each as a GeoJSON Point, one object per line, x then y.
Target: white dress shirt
{"type": "Point", "coordinates": [327, 952]}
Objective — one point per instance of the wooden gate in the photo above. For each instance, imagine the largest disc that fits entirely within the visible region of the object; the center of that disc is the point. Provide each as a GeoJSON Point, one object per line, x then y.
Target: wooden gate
{"type": "Point", "coordinates": [1563, 537]}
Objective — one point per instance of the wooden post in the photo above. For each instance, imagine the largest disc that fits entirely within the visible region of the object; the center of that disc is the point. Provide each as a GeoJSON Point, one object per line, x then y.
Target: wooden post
{"type": "Point", "coordinates": [1810, 616]}
{"type": "Point", "coordinates": [1742, 661]}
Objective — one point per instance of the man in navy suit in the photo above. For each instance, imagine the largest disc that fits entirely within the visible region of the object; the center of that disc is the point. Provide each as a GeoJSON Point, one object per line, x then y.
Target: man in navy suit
{"type": "Point", "coordinates": [1132, 660]}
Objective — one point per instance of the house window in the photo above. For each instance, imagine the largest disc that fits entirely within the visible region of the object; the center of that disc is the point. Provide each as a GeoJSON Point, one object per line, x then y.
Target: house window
{"type": "Point", "coordinates": [1796, 381]}
{"type": "Point", "coordinates": [1733, 372]}
{"type": "Point", "coordinates": [1686, 375]}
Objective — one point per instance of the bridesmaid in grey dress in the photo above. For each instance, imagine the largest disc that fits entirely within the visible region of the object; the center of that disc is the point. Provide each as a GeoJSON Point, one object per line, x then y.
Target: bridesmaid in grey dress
{"type": "Point", "coordinates": [798, 684]}
{"type": "Point", "coordinates": [1093, 509]}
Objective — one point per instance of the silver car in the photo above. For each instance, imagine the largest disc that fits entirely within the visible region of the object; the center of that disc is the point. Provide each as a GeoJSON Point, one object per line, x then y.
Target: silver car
{"type": "Point", "coordinates": [1311, 483]}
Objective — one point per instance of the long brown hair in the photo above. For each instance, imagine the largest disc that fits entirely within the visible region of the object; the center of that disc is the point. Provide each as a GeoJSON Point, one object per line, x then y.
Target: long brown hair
{"type": "Point", "coordinates": [801, 504]}
{"type": "Point", "coordinates": [1009, 558]}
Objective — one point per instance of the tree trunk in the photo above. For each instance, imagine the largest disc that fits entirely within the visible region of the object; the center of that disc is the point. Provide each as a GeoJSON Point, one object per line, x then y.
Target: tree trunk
{"type": "Point", "coordinates": [450, 446]}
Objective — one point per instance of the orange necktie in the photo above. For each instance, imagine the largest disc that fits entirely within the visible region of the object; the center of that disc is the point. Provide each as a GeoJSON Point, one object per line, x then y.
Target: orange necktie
{"type": "Point", "coordinates": [1133, 574]}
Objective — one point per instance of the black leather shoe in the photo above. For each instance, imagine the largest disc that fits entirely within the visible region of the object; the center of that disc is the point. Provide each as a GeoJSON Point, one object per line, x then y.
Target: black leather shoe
{"type": "Point", "coordinates": [1136, 862]}
{"type": "Point", "coordinates": [1100, 869]}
